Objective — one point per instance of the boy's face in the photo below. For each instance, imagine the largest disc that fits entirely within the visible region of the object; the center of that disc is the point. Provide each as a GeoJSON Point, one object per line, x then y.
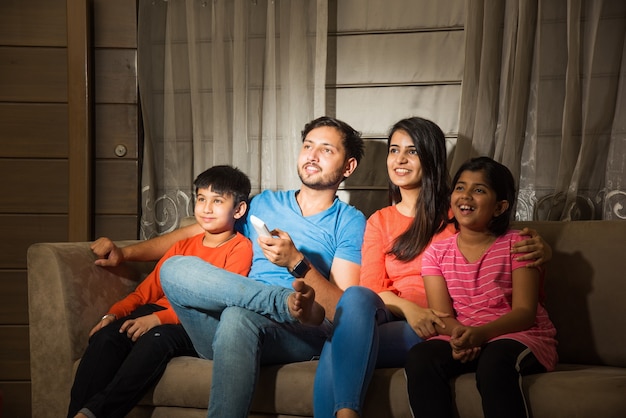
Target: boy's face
{"type": "Point", "coordinates": [216, 213]}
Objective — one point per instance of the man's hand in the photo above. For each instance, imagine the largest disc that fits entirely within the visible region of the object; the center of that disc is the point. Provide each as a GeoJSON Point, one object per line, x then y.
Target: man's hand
{"type": "Point", "coordinates": [535, 248]}
{"type": "Point", "coordinates": [280, 249]}
{"type": "Point", "coordinates": [109, 254]}
{"type": "Point", "coordinates": [135, 328]}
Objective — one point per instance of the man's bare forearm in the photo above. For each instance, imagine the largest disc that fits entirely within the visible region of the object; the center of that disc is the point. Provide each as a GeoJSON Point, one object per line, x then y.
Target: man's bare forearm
{"type": "Point", "coordinates": [155, 248]}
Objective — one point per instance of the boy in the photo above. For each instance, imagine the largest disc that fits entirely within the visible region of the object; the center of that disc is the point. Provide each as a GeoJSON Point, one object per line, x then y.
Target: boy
{"type": "Point", "coordinates": [131, 345]}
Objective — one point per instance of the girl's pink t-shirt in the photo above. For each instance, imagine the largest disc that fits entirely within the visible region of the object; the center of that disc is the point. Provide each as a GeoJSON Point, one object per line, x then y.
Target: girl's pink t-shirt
{"type": "Point", "coordinates": [481, 291]}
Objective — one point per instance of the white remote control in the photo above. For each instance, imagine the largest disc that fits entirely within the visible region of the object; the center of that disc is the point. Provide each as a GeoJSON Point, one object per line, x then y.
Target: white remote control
{"type": "Point", "coordinates": [260, 227]}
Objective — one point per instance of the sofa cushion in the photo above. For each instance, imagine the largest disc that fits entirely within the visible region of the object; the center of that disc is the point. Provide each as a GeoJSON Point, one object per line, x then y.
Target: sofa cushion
{"type": "Point", "coordinates": [287, 390]}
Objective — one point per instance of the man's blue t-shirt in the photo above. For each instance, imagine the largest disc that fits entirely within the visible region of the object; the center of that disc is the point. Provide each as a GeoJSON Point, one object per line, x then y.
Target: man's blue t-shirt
{"type": "Point", "coordinates": [336, 232]}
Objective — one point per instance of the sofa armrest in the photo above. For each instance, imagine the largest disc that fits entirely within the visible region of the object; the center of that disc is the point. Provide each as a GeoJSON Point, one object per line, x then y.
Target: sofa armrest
{"type": "Point", "coordinates": [67, 295]}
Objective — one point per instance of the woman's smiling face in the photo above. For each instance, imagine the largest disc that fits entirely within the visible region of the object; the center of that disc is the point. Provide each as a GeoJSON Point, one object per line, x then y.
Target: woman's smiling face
{"type": "Point", "coordinates": [403, 163]}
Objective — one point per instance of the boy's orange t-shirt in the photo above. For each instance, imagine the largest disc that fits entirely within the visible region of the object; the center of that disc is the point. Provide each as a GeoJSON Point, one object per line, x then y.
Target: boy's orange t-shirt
{"type": "Point", "coordinates": [234, 255]}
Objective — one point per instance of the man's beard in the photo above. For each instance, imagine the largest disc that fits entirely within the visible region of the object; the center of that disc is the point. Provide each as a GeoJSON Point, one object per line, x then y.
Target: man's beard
{"type": "Point", "coordinates": [322, 182]}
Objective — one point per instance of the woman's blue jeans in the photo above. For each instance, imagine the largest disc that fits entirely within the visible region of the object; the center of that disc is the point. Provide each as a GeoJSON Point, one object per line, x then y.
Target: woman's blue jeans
{"type": "Point", "coordinates": [240, 324]}
{"type": "Point", "coordinates": [366, 336]}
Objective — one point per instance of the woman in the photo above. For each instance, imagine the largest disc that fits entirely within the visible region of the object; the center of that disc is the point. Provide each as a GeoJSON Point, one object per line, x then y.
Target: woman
{"type": "Point", "coordinates": [378, 322]}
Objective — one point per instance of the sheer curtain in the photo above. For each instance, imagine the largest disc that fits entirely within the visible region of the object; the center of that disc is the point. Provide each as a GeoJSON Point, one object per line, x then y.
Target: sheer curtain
{"type": "Point", "coordinates": [225, 82]}
{"type": "Point", "coordinates": [543, 92]}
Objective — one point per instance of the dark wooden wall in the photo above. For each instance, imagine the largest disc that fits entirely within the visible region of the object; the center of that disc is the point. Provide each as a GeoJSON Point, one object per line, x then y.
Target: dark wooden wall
{"type": "Point", "coordinates": [68, 99]}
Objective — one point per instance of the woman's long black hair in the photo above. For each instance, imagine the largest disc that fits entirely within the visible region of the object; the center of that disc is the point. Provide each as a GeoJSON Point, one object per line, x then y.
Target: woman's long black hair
{"type": "Point", "coordinates": [433, 202]}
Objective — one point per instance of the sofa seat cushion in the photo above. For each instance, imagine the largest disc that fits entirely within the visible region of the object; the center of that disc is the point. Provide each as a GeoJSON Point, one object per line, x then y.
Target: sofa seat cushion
{"type": "Point", "coordinates": [563, 393]}
{"type": "Point", "coordinates": [287, 390]}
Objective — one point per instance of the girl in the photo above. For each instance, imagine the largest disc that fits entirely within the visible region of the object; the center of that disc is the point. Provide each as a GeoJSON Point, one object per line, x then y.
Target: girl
{"type": "Point", "coordinates": [497, 325]}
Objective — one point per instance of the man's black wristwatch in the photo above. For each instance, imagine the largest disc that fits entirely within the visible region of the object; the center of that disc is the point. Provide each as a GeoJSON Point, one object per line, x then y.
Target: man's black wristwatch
{"type": "Point", "coordinates": [300, 269]}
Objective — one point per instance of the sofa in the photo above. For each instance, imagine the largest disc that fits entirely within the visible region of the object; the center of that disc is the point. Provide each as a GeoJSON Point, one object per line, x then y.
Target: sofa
{"type": "Point", "coordinates": [585, 290]}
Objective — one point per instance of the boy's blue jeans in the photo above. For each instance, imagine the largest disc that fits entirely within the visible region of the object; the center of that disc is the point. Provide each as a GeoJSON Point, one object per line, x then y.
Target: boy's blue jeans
{"type": "Point", "coordinates": [366, 336]}
{"type": "Point", "coordinates": [240, 324]}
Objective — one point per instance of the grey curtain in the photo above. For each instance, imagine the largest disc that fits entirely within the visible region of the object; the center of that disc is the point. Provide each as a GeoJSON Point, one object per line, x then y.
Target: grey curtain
{"type": "Point", "coordinates": [543, 92]}
{"type": "Point", "coordinates": [225, 82]}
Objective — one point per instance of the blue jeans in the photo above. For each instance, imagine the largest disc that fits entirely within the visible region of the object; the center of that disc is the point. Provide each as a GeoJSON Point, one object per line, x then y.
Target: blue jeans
{"type": "Point", "coordinates": [240, 324]}
{"type": "Point", "coordinates": [366, 336]}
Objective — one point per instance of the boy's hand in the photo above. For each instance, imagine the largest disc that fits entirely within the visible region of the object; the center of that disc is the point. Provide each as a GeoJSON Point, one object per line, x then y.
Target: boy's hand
{"type": "Point", "coordinates": [135, 328]}
{"type": "Point", "coordinates": [535, 248]}
{"type": "Point", "coordinates": [106, 320]}
{"type": "Point", "coordinates": [109, 254]}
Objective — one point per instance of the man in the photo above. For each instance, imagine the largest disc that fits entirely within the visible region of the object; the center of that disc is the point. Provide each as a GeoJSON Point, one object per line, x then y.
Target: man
{"type": "Point", "coordinates": [316, 239]}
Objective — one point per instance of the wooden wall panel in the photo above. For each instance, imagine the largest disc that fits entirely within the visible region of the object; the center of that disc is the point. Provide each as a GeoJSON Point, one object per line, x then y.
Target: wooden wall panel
{"type": "Point", "coordinates": [25, 230]}
{"type": "Point", "coordinates": [14, 297]}
{"type": "Point", "coordinates": [34, 130]}
{"type": "Point", "coordinates": [117, 191]}
{"type": "Point", "coordinates": [116, 76]}
{"type": "Point", "coordinates": [117, 227]}
{"type": "Point", "coordinates": [33, 74]}
{"type": "Point", "coordinates": [38, 148]}
{"type": "Point", "coordinates": [115, 23]}
{"type": "Point", "coordinates": [14, 358]}
{"type": "Point", "coordinates": [80, 119]}
{"type": "Point", "coordinates": [117, 120]}
{"type": "Point", "coordinates": [33, 23]}
{"type": "Point", "coordinates": [39, 186]}
{"type": "Point", "coordinates": [16, 399]}
{"type": "Point", "coordinates": [116, 125]}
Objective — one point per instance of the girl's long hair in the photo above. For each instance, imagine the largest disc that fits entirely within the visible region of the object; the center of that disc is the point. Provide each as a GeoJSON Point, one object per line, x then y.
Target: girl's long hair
{"type": "Point", "coordinates": [433, 202]}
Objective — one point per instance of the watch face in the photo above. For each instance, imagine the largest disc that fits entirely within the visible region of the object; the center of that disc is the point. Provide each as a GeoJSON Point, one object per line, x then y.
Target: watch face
{"type": "Point", "coordinates": [300, 269]}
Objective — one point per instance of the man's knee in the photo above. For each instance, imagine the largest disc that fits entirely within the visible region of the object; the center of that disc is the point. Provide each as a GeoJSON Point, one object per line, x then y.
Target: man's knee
{"type": "Point", "coordinates": [237, 326]}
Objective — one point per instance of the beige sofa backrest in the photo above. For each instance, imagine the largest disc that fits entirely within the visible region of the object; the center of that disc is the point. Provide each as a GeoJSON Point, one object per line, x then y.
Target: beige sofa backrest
{"type": "Point", "coordinates": [586, 289]}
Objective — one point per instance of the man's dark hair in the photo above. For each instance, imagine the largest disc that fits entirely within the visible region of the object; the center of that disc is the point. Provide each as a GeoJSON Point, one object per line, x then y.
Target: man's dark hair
{"type": "Point", "coordinates": [352, 141]}
{"type": "Point", "coordinates": [226, 180]}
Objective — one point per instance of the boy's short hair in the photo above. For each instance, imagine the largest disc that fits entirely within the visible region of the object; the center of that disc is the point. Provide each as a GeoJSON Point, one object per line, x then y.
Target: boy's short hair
{"type": "Point", "coordinates": [226, 180]}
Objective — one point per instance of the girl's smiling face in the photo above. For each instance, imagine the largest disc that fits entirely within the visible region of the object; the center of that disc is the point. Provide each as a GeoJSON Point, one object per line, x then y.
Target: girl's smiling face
{"type": "Point", "coordinates": [474, 202]}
